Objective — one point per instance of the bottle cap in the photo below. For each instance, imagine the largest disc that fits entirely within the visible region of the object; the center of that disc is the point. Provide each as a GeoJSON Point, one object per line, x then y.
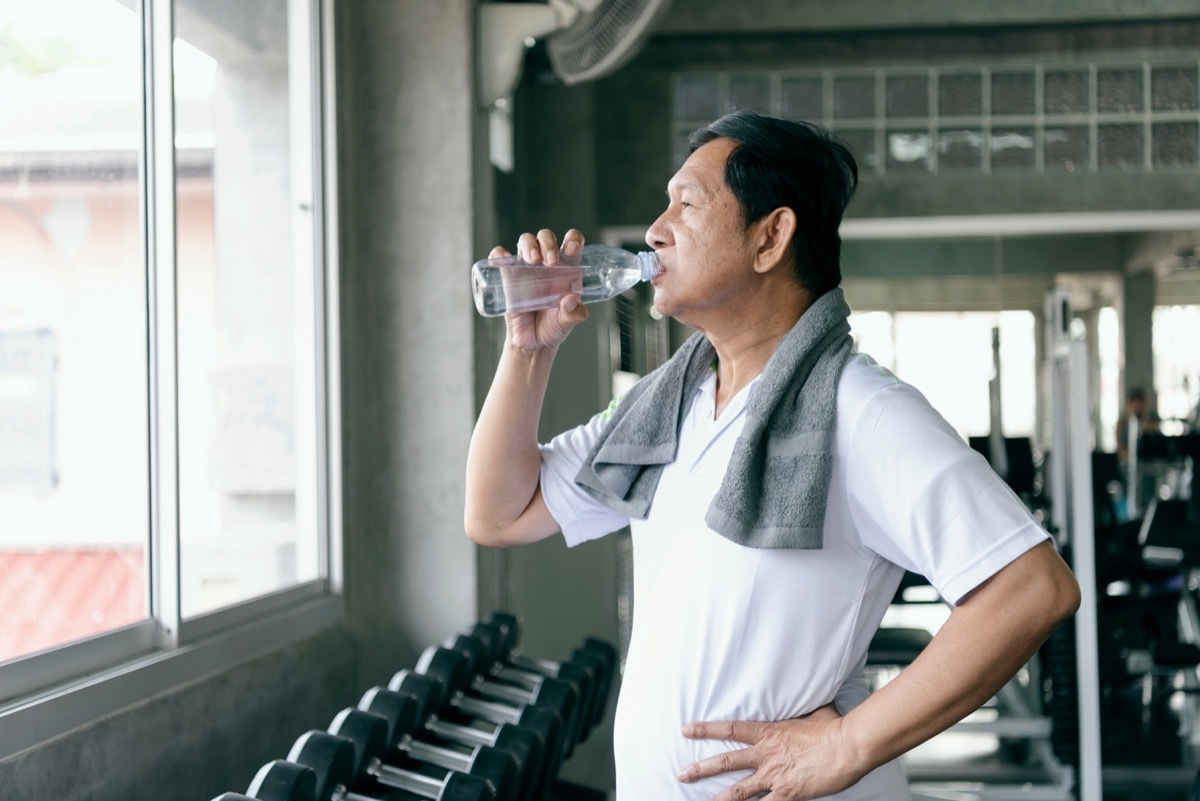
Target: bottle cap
{"type": "Point", "coordinates": [648, 261]}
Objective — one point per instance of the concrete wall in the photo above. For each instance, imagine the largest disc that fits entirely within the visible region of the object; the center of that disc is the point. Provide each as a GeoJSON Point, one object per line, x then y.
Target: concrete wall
{"type": "Point", "coordinates": [199, 740]}
{"type": "Point", "coordinates": [407, 127]}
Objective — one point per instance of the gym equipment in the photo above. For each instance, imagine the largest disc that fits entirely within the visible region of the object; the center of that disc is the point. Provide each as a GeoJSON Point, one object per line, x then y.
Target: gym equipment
{"type": "Point", "coordinates": [596, 659]}
{"type": "Point", "coordinates": [280, 781]}
{"type": "Point", "coordinates": [352, 770]}
{"type": "Point", "coordinates": [481, 668]}
{"type": "Point", "coordinates": [404, 713]}
{"type": "Point", "coordinates": [439, 699]}
{"type": "Point", "coordinates": [402, 752]}
{"type": "Point", "coordinates": [455, 667]}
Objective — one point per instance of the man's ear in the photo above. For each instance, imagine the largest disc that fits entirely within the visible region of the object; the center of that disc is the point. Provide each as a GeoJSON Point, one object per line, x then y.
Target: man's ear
{"type": "Point", "coordinates": [774, 235]}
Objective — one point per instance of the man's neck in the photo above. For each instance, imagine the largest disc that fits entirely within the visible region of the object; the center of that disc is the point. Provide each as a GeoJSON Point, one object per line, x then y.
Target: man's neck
{"type": "Point", "coordinates": [745, 346]}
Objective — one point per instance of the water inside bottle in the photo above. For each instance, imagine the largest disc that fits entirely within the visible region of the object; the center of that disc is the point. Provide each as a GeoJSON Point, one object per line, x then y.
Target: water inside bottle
{"type": "Point", "coordinates": [513, 290]}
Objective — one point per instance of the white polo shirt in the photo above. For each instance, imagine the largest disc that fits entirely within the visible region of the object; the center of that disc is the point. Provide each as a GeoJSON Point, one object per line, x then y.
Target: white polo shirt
{"type": "Point", "coordinates": [725, 632]}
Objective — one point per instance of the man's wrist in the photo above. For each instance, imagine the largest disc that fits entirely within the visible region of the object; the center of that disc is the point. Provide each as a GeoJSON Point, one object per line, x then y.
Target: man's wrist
{"type": "Point", "coordinates": [859, 754]}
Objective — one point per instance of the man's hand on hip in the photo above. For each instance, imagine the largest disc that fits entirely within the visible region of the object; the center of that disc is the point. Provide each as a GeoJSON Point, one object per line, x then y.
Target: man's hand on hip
{"type": "Point", "coordinates": [792, 760]}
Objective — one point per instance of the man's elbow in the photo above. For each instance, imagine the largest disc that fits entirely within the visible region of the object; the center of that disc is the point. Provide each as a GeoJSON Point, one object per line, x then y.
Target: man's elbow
{"type": "Point", "coordinates": [482, 532]}
{"type": "Point", "coordinates": [1061, 595]}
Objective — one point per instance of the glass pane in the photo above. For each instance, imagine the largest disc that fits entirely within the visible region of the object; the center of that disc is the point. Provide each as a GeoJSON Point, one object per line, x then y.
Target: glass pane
{"type": "Point", "coordinates": [1119, 91]}
{"type": "Point", "coordinates": [74, 497]}
{"type": "Point", "coordinates": [872, 334]}
{"type": "Point", "coordinates": [854, 97]}
{"type": "Point", "coordinates": [960, 149]}
{"type": "Point", "coordinates": [753, 93]}
{"type": "Point", "coordinates": [960, 95]}
{"type": "Point", "coordinates": [1174, 89]}
{"type": "Point", "coordinates": [907, 96]}
{"type": "Point", "coordinates": [1067, 148]}
{"type": "Point", "coordinates": [696, 98]}
{"type": "Point", "coordinates": [948, 356]}
{"type": "Point", "coordinates": [862, 143]}
{"type": "Point", "coordinates": [1119, 146]}
{"type": "Point", "coordinates": [802, 99]}
{"type": "Point", "coordinates": [1174, 330]}
{"type": "Point", "coordinates": [1066, 92]}
{"type": "Point", "coordinates": [243, 443]}
{"type": "Point", "coordinates": [1175, 144]}
{"type": "Point", "coordinates": [1013, 147]}
{"type": "Point", "coordinates": [909, 151]}
{"type": "Point", "coordinates": [1012, 93]}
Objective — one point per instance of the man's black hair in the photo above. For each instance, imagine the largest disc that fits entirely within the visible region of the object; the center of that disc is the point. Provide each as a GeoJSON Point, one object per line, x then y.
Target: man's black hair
{"type": "Point", "coordinates": [795, 164]}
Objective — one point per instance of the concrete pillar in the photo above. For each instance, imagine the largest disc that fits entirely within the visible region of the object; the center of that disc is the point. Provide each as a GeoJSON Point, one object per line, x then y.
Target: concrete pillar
{"type": "Point", "coordinates": [409, 161]}
{"type": "Point", "coordinates": [1137, 343]}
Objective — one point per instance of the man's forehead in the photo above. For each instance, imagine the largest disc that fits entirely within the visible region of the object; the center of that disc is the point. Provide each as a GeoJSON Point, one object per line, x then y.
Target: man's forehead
{"type": "Point", "coordinates": [704, 169]}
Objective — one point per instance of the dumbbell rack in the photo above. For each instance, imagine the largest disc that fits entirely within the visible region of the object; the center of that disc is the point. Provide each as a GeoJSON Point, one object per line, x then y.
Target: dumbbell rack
{"type": "Point", "coordinates": [473, 720]}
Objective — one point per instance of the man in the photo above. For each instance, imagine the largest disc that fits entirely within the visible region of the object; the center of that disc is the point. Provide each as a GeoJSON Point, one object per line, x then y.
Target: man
{"type": "Point", "coordinates": [777, 486]}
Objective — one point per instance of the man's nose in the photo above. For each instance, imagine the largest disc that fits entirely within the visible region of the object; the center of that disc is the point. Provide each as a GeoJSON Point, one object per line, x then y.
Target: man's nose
{"type": "Point", "coordinates": [657, 235]}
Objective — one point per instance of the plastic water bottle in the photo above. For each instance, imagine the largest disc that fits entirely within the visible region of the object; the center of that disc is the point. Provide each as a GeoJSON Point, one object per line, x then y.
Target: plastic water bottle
{"type": "Point", "coordinates": [507, 285]}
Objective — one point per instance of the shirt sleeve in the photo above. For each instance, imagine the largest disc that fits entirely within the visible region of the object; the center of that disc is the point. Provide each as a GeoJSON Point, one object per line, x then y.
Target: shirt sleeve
{"type": "Point", "coordinates": [580, 516]}
{"type": "Point", "coordinates": [923, 499]}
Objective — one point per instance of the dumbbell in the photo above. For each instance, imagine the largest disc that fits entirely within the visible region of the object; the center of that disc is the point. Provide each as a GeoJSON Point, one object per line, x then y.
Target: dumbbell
{"type": "Point", "coordinates": [405, 713]}
{"type": "Point", "coordinates": [594, 664]}
{"type": "Point", "coordinates": [509, 628]}
{"type": "Point", "coordinates": [440, 695]}
{"type": "Point", "coordinates": [352, 770]}
{"type": "Point", "coordinates": [480, 655]}
{"type": "Point", "coordinates": [403, 751]}
{"type": "Point", "coordinates": [558, 696]}
{"type": "Point", "coordinates": [279, 781]}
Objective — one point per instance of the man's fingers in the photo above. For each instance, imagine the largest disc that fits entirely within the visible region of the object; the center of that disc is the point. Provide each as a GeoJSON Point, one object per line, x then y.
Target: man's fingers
{"type": "Point", "coordinates": [497, 252]}
{"type": "Point", "coordinates": [529, 249]}
{"type": "Point", "coordinates": [572, 242]}
{"type": "Point", "coordinates": [740, 759]}
{"type": "Point", "coordinates": [549, 245]}
{"type": "Point", "coordinates": [543, 247]}
{"type": "Point", "coordinates": [750, 787]}
{"type": "Point", "coordinates": [741, 731]}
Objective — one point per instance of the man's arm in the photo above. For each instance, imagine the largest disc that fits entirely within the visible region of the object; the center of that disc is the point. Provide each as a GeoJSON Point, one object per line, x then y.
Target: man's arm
{"type": "Point", "coordinates": [989, 636]}
{"type": "Point", "coordinates": [504, 505]}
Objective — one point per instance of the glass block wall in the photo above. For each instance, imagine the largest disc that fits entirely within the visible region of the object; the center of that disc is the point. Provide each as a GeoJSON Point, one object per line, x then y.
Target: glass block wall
{"type": "Point", "coordinates": [1039, 118]}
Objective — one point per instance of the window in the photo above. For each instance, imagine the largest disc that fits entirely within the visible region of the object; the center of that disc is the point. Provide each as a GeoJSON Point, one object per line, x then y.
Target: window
{"type": "Point", "coordinates": [1176, 365]}
{"type": "Point", "coordinates": [948, 357]}
{"type": "Point", "coordinates": [164, 359]}
{"type": "Point", "coordinates": [974, 119]}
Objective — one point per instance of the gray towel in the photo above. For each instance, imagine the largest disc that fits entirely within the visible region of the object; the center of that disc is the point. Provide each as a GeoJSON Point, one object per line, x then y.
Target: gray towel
{"type": "Point", "coordinates": [774, 491]}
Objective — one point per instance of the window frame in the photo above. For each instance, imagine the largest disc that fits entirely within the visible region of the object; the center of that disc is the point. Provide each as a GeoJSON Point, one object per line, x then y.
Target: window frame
{"type": "Point", "coordinates": [51, 692]}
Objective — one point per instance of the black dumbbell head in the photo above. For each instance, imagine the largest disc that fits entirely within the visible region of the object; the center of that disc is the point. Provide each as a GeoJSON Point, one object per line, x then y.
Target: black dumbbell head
{"type": "Point", "coordinates": [331, 758]}
{"type": "Point", "coordinates": [492, 638]}
{"type": "Point", "coordinates": [608, 657]}
{"type": "Point", "coordinates": [368, 733]}
{"type": "Point", "coordinates": [526, 748]}
{"type": "Point", "coordinates": [447, 666]}
{"type": "Point", "coordinates": [510, 628]}
{"type": "Point", "coordinates": [283, 781]}
{"type": "Point", "coordinates": [461, 787]}
{"type": "Point", "coordinates": [400, 711]}
{"type": "Point", "coordinates": [428, 693]}
{"type": "Point", "coordinates": [473, 651]}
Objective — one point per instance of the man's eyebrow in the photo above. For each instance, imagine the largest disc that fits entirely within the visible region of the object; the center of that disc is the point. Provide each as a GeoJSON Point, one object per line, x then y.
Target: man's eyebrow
{"type": "Point", "coordinates": [684, 183]}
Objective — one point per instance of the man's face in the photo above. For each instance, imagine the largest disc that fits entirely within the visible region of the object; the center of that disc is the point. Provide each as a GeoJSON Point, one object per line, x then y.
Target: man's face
{"type": "Point", "coordinates": [704, 249]}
